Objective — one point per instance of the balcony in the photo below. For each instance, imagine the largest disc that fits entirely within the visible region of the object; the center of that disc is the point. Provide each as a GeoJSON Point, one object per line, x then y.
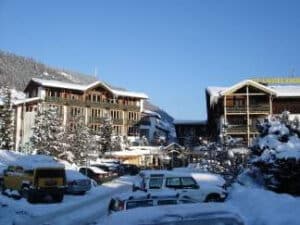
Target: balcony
{"type": "Point", "coordinates": [253, 108]}
{"type": "Point", "coordinates": [259, 108]}
{"type": "Point", "coordinates": [240, 129]}
{"type": "Point", "coordinates": [118, 121]}
{"type": "Point", "coordinates": [102, 104]}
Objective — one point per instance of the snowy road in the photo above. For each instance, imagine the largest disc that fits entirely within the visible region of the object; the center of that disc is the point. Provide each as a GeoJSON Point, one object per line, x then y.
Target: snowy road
{"type": "Point", "coordinates": [83, 212]}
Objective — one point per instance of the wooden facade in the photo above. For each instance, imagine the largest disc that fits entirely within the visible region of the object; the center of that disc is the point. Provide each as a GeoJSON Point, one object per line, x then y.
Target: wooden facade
{"type": "Point", "coordinates": [93, 103]}
{"type": "Point", "coordinates": [237, 109]}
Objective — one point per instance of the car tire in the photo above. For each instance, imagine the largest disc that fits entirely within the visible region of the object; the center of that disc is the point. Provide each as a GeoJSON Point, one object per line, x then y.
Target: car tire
{"type": "Point", "coordinates": [3, 188]}
{"type": "Point", "coordinates": [32, 197]}
{"type": "Point", "coordinates": [58, 197]}
{"type": "Point", "coordinates": [24, 191]}
{"type": "Point", "coordinates": [213, 198]}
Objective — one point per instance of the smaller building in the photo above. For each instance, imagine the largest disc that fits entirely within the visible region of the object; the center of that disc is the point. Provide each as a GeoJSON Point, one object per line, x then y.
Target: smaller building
{"type": "Point", "coordinates": [190, 132]}
{"type": "Point", "coordinates": [155, 128]}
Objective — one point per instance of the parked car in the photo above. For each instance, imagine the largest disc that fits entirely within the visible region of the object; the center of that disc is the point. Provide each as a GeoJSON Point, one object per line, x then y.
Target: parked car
{"type": "Point", "coordinates": [35, 182]}
{"type": "Point", "coordinates": [114, 170]}
{"type": "Point", "coordinates": [184, 183]}
{"type": "Point", "coordinates": [183, 214]}
{"type": "Point", "coordinates": [94, 173]}
{"type": "Point", "coordinates": [143, 199]}
{"type": "Point", "coordinates": [77, 182]}
{"type": "Point", "coordinates": [131, 169]}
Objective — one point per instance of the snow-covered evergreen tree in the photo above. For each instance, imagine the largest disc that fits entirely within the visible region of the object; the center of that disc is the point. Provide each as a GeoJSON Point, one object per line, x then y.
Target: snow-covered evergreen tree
{"type": "Point", "coordinates": [276, 154]}
{"type": "Point", "coordinates": [105, 133]}
{"type": "Point", "coordinates": [116, 144]}
{"type": "Point", "coordinates": [80, 141]}
{"type": "Point", "coordinates": [6, 119]}
{"type": "Point", "coordinates": [48, 132]}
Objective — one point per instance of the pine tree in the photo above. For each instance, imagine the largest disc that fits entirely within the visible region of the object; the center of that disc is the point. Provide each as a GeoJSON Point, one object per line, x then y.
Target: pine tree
{"type": "Point", "coordinates": [105, 133]}
{"type": "Point", "coordinates": [80, 142]}
{"type": "Point", "coordinates": [6, 120]}
{"type": "Point", "coordinates": [48, 132]}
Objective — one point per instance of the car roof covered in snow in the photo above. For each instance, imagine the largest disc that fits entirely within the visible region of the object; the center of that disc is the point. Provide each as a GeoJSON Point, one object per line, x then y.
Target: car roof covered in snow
{"type": "Point", "coordinates": [96, 169]}
{"type": "Point", "coordinates": [12, 158]}
{"type": "Point", "coordinates": [75, 175]}
{"type": "Point", "coordinates": [169, 213]}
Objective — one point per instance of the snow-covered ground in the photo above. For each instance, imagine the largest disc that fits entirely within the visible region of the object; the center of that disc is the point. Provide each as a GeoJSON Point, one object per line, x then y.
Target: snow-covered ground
{"type": "Point", "coordinates": [262, 207]}
{"type": "Point", "coordinates": [73, 210]}
{"type": "Point", "coordinates": [256, 206]}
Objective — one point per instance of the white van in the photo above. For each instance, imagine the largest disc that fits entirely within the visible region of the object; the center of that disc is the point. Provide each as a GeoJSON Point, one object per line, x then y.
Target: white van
{"type": "Point", "coordinates": [183, 183]}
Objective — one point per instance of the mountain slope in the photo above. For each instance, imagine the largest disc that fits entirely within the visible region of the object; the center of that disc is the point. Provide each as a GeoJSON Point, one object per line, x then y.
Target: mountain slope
{"type": "Point", "coordinates": [16, 71]}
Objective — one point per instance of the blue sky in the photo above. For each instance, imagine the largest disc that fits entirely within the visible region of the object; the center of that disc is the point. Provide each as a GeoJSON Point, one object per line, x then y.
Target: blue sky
{"type": "Point", "coordinates": [171, 50]}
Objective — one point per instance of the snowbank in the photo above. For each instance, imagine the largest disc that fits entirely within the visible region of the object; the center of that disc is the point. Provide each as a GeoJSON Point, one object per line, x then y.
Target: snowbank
{"type": "Point", "coordinates": [263, 207]}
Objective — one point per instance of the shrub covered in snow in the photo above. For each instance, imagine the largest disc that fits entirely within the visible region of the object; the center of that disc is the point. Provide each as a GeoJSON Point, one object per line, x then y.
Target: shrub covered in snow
{"type": "Point", "coordinates": [276, 154]}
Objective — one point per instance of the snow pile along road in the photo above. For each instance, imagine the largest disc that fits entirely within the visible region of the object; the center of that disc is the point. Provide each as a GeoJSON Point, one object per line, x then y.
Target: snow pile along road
{"type": "Point", "coordinates": [263, 207]}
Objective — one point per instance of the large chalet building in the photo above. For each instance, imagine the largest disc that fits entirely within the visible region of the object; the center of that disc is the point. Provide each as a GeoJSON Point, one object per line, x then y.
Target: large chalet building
{"type": "Point", "coordinates": [92, 102]}
{"type": "Point", "coordinates": [235, 110]}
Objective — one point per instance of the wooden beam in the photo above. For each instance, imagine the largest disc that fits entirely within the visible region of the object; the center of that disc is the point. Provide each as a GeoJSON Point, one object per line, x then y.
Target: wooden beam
{"type": "Point", "coordinates": [248, 116]}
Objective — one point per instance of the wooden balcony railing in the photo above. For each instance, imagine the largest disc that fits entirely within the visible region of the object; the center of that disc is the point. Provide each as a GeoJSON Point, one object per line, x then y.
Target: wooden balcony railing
{"type": "Point", "coordinates": [233, 129]}
{"type": "Point", "coordinates": [259, 108]}
{"type": "Point", "coordinates": [102, 104]}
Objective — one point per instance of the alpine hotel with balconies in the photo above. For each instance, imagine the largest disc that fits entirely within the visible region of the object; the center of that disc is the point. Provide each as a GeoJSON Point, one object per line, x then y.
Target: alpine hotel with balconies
{"type": "Point", "coordinates": [92, 102]}
{"type": "Point", "coordinates": [235, 110]}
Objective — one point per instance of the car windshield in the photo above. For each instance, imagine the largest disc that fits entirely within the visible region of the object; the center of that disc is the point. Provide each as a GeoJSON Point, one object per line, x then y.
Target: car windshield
{"type": "Point", "coordinates": [50, 173]}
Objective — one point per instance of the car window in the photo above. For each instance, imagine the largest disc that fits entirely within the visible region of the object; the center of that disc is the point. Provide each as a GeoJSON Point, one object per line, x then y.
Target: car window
{"type": "Point", "coordinates": [188, 182]}
{"type": "Point", "coordinates": [155, 182]}
{"type": "Point", "coordinates": [167, 202]}
{"type": "Point", "coordinates": [135, 204]}
{"type": "Point", "coordinates": [173, 182]}
{"type": "Point", "coordinates": [186, 201]}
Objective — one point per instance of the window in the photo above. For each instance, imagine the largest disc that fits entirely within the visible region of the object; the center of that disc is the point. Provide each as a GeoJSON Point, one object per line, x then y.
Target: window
{"type": "Point", "coordinates": [135, 204]}
{"type": "Point", "coordinates": [155, 182]}
{"type": "Point", "coordinates": [188, 182]}
{"type": "Point", "coordinates": [173, 182]}
{"type": "Point", "coordinates": [167, 202]}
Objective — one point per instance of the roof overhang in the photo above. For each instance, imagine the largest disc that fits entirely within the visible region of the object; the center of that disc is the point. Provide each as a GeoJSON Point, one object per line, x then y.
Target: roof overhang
{"type": "Point", "coordinates": [252, 83]}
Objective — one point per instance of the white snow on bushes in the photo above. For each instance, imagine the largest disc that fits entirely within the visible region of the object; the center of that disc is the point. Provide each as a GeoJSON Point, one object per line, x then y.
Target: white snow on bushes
{"type": "Point", "coordinates": [271, 142]}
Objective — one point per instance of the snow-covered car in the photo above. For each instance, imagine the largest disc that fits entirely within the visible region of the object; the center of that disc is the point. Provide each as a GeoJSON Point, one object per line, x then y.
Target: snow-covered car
{"type": "Point", "coordinates": [185, 214]}
{"type": "Point", "coordinates": [142, 199]}
{"type": "Point", "coordinates": [94, 173]}
{"type": "Point", "coordinates": [131, 169]}
{"type": "Point", "coordinates": [183, 183]}
{"type": "Point", "coordinates": [77, 183]}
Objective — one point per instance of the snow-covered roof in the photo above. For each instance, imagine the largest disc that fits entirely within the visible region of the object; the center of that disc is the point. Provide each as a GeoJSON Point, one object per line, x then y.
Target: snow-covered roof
{"type": "Point", "coordinates": [152, 113]}
{"type": "Point", "coordinates": [247, 82]}
{"type": "Point", "coordinates": [287, 90]}
{"type": "Point", "coordinates": [277, 90]}
{"type": "Point", "coordinates": [80, 87]}
{"type": "Point", "coordinates": [27, 100]}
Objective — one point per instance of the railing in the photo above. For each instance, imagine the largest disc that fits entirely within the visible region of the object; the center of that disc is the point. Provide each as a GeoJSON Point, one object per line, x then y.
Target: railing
{"type": "Point", "coordinates": [102, 119]}
{"type": "Point", "coordinates": [132, 122]}
{"type": "Point", "coordinates": [240, 129]}
{"type": "Point", "coordinates": [259, 108]}
{"type": "Point", "coordinates": [118, 121]}
{"type": "Point", "coordinates": [236, 109]}
{"type": "Point", "coordinates": [102, 104]}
